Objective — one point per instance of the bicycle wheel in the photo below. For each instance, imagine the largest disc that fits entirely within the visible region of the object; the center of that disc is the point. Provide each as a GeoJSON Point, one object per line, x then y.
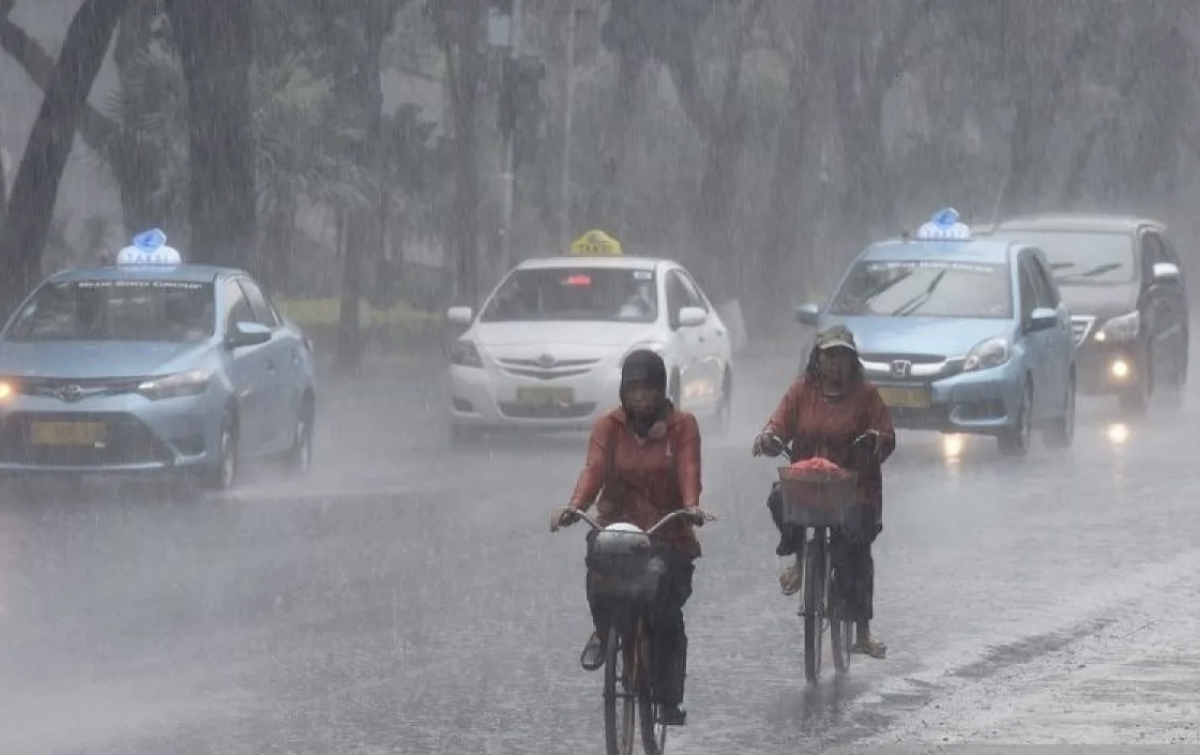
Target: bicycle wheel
{"type": "Point", "coordinates": [815, 574]}
{"type": "Point", "coordinates": [841, 630]}
{"type": "Point", "coordinates": [654, 734]}
{"type": "Point", "coordinates": [618, 697]}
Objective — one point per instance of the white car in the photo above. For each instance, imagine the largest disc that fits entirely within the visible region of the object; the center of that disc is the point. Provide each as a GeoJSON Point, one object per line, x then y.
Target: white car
{"type": "Point", "coordinates": [545, 352]}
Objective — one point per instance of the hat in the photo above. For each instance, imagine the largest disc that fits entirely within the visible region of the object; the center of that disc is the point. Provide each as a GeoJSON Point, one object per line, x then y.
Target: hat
{"type": "Point", "coordinates": [644, 366]}
{"type": "Point", "coordinates": [835, 336]}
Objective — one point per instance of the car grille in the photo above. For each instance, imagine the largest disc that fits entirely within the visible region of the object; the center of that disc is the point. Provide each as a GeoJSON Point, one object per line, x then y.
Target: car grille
{"type": "Point", "coordinates": [888, 358]}
{"type": "Point", "coordinates": [128, 441]}
{"type": "Point", "coordinates": [547, 411]}
{"type": "Point", "coordinates": [88, 388]}
{"type": "Point", "coordinates": [1081, 328]}
{"type": "Point", "coordinates": [548, 370]}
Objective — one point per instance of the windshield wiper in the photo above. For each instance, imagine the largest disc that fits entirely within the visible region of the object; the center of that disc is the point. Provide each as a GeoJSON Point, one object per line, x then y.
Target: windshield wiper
{"type": "Point", "coordinates": [919, 300]}
{"type": "Point", "coordinates": [1098, 270]}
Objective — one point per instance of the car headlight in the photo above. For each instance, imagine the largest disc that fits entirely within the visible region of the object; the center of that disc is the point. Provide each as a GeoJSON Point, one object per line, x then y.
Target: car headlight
{"type": "Point", "coordinates": [8, 389]}
{"type": "Point", "coordinates": [190, 383]}
{"type": "Point", "coordinates": [655, 346]}
{"type": "Point", "coordinates": [1119, 329]}
{"type": "Point", "coordinates": [991, 353]}
{"type": "Point", "coordinates": [465, 353]}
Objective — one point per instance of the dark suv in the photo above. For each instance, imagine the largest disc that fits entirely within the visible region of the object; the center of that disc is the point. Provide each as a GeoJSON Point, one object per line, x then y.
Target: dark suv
{"type": "Point", "coordinates": [1124, 284]}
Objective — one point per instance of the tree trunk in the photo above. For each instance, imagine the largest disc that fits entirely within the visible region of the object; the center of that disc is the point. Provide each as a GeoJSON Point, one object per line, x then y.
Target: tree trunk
{"type": "Point", "coordinates": [216, 45]}
{"type": "Point", "coordinates": [35, 188]}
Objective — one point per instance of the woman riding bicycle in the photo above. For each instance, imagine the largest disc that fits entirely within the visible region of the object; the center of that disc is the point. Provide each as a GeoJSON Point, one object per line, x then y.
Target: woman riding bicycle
{"type": "Point", "coordinates": [644, 461]}
{"type": "Point", "coordinates": [822, 414]}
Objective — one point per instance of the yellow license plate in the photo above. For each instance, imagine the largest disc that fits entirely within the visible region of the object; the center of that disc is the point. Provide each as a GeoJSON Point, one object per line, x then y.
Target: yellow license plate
{"type": "Point", "coordinates": [905, 398]}
{"type": "Point", "coordinates": [545, 396]}
{"type": "Point", "coordinates": [67, 433]}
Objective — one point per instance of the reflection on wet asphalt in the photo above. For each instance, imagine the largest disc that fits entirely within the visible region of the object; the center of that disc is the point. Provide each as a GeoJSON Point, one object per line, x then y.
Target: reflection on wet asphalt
{"type": "Point", "coordinates": [416, 603]}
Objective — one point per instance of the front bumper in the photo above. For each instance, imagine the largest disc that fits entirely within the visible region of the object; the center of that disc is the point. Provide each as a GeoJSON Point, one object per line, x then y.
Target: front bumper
{"type": "Point", "coordinates": [986, 402]}
{"type": "Point", "coordinates": [1108, 369]}
{"type": "Point", "coordinates": [489, 397]}
{"type": "Point", "coordinates": [108, 434]}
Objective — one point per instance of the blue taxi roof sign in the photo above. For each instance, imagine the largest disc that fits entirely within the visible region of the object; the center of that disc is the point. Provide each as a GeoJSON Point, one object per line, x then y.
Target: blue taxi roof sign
{"type": "Point", "coordinates": [944, 226]}
{"type": "Point", "coordinates": [149, 248]}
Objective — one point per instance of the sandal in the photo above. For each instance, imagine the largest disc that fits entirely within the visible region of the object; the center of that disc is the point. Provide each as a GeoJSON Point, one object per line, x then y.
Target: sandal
{"type": "Point", "coordinates": [791, 580]}
{"type": "Point", "coordinates": [872, 647]}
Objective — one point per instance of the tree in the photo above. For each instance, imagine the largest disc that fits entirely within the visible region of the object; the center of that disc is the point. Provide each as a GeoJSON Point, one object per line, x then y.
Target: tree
{"type": "Point", "coordinates": [35, 187]}
{"type": "Point", "coordinates": [216, 46]}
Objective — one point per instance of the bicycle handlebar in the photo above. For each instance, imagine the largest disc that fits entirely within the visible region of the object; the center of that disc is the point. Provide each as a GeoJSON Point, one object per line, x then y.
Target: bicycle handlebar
{"type": "Point", "coordinates": [786, 451]}
{"type": "Point", "coordinates": [668, 518]}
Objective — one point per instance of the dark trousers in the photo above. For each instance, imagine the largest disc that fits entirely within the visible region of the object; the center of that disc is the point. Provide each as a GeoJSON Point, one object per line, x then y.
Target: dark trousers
{"type": "Point", "coordinates": [850, 556]}
{"type": "Point", "coordinates": [668, 639]}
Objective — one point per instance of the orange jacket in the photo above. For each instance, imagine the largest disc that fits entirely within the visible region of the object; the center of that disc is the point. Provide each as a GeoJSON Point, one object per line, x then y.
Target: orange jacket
{"type": "Point", "coordinates": [640, 481]}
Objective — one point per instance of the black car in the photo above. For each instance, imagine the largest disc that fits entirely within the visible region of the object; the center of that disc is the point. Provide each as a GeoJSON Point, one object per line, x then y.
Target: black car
{"type": "Point", "coordinates": [1123, 282]}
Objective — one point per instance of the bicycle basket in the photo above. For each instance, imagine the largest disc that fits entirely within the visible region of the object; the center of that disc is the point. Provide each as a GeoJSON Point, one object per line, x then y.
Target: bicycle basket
{"type": "Point", "coordinates": [623, 565]}
{"type": "Point", "coordinates": [819, 499]}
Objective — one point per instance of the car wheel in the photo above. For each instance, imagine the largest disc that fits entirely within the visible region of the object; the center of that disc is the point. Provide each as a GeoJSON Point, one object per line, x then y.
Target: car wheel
{"type": "Point", "coordinates": [299, 456]}
{"type": "Point", "coordinates": [1014, 441]}
{"type": "Point", "coordinates": [222, 475]}
{"type": "Point", "coordinates": [724, 415]}
{"type": "Point", "coordinates": [1175, 385]}
{"type": "Point", "coordinates": [1061, 432]}
{"type": "Point", "coordinates": [673, 390]}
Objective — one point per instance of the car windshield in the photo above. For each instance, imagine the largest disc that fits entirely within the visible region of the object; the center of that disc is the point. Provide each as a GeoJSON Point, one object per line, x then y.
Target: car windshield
{"type": "Point", "coordinates": [117, 310]}
{"type": "Point", "coordinates": [925, 288]}
{"type": "Point", "coordinates": [1082, 258]}
{"type": "Point", "coordinates": [583, 293]}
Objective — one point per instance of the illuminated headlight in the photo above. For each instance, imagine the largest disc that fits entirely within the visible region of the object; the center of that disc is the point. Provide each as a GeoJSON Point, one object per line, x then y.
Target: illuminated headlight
{"type": "Point", "coordinates": [1120, 329]}
{"type": "Point", "coordinates": [655, 346]}
{"type": "Point", "coordinates": [1120, 368]}
{"type": "Point", "coordinates": [8, 389]}
{"type": "Point", "coordinates": [190, 383]}
{"type": "Point", "coordinates": [465, 353]}
{"type": "Point", "coordinates": [991, 353]}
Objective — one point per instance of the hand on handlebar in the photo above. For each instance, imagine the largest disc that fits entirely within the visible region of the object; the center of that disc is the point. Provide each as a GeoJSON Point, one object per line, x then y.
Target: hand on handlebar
{"type": "Point", "coordinates": [698, 517]}
{"type": "Point", "coordinates": [768, 444]}
{"type": "Point", "coordinates": [564, 517]}
{"type": "Point", "coordinates": [868, 442]}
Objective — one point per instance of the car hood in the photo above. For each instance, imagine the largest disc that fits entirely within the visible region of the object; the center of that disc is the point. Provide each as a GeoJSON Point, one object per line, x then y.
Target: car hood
{"type": "Point", "coordinates": [86, 360]}
{"type": "Point", "coordinates": [1100, 301]}
{"type": "Point", "coordinates": [919, 335]}
{"type": "Point", "coordinates": [558, 336]}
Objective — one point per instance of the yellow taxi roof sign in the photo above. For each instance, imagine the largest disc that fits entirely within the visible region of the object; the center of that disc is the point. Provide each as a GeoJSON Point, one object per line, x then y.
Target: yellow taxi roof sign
{"type": "Point", "coordinates": [596, 243]}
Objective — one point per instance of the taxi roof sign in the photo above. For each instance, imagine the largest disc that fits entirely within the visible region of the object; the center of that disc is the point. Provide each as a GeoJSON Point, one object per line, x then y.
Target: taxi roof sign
{"type": "Point", "coordinates": [944, 226]}
{"type": "Point", "coordinates": [149, 248]}
{"type": "Point", "coordinates": [596, 243]}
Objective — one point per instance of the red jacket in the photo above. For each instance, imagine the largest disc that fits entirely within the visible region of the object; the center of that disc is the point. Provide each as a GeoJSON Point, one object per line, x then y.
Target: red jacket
{"type": "Point", "coordinates": [640, 481]}
{"type": "Point", "coordinates": [817, 426]}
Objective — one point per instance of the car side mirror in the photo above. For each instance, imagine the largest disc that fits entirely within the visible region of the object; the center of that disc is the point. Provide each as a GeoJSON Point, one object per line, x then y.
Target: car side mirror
{"type": "Point", "coordinates": [692, 317]}
{"type": "Point", "coordinates": [808, 314]}
{"type": "Point", "coordinates": [1167, 272]}
{"type": "Point", "coordinates": [460, 315]}
{"type": "Point", "coordinates": [1042, 318]}
{"type": "Point", "coordinates": [248, 334]}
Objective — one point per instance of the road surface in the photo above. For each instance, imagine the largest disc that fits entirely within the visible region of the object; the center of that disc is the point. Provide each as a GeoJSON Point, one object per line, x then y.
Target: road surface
{"type": "Point", "coordinates": [406, 599]}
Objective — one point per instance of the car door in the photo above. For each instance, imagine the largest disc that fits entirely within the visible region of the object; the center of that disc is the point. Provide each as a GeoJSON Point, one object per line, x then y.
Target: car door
{"type": "Point", "coordinates": [248, 371]}
{"type": "Point", "coordinates": [1164, 304]}
{"type": "Point", "coordinates": [1060, 340]}
{"type": "Point", "coordinates": [713, 341]}
{"type": "Point", "coordinates": [685, 342]}
{"type": "Point", "coordinates": [1035, 342]}
{"type": "Point", "coordinates": [281, 407]}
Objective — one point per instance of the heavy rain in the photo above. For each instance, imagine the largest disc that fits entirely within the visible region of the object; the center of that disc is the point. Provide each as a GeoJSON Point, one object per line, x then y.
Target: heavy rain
{"type": "Point", "coordinates": [385, 443]}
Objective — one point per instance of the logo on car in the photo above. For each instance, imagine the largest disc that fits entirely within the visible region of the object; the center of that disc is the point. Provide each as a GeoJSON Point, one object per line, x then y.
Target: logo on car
{"type": "Point", "coordinates": [70, 393]}
{"type": "Point", "coordinates": [546, 361]}
{"type": "Point", "coordinates": [901, 368]}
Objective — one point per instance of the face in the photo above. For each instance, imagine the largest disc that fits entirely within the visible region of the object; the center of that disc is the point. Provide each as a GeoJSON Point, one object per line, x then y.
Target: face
{"type": "Point", "coordinates": [641, 398]}
{"type": "Point", "coordinates": [835, 366]}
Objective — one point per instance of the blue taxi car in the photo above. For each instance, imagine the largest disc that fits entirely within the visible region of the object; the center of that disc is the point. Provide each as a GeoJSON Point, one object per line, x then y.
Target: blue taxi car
{"type": "Point", "coordinates": [961, 335]}
{"type": "Point", "coordinates": [152, 365]}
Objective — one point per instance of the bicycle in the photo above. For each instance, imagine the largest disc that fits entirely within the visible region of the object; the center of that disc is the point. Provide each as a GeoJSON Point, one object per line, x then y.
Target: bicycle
{"type": "Point", "coordinates": [627, 571]}
{"type": "Point", "coordinates": [821, 502]}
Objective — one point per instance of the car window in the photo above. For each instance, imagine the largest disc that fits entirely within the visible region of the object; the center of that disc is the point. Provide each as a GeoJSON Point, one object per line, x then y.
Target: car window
{"type": "Point", "coordinates": [1047, 292]}
{"type": "Point", "coordinates": [926, 288]}
{"type": "Point", "coordinates": [263, 312]}
{"type": "Point", "coordinates": [1080, 258]}
{"type": "Point", "coordinates": [694, 296]}
{"type": "Point", "coordinates": [587, 294]}
{"type": "Point", "coordinates": [1029, 294]}
{"type": "Point", "coordinates": [237, 306]}
{"type": "Point", "coordinates": [680, 295]}
{"type": "Point", "coordinates": [117, 310]}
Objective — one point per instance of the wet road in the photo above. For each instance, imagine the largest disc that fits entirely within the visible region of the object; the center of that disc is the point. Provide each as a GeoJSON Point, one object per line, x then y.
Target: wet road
{"type": "Point", "coordinates": [408, 600]}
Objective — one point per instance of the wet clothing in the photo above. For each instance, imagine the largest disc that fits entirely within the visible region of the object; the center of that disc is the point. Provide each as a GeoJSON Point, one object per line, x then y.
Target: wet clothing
{"type": "Point", "coordinates": [640, 480]}
{"type": "Point", "coordinates": [813, 425]}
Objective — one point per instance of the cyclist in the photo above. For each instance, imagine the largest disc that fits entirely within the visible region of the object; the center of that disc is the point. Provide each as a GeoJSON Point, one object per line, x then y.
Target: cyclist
{"type": "Point", "coordinates": [822, 414]}
{"type": "Point", "coordinates": [643, 461]}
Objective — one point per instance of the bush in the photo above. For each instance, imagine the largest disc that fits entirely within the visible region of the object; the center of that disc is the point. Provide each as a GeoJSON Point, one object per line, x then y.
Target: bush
{"type": "Point", "coordinates": [399, 327]}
